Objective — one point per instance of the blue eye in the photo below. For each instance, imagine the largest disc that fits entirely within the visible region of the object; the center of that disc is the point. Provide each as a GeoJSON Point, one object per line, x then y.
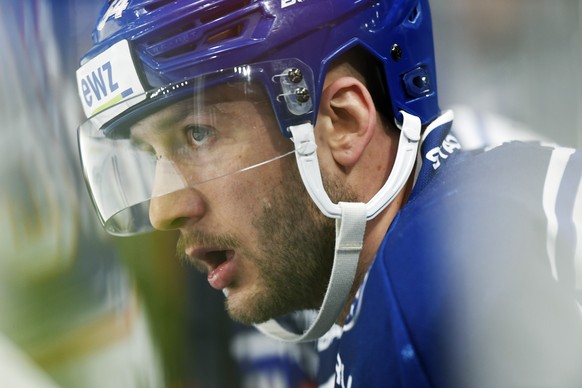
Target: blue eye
{"type": "Point", "coordinates": [198, 135]}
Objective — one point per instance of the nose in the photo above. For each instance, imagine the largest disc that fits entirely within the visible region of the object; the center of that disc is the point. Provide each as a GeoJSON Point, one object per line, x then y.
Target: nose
{"type": "Point", "coordinates": [173, 203]}
{"type": "Point", "coordinates": [176, 210]}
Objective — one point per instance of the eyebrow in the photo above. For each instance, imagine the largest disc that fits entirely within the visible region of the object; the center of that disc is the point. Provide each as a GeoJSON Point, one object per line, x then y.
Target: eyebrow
{"type": "Point", "coordinates": [179, 110]}
{"type": "Point", "coordinates": [172, 115]}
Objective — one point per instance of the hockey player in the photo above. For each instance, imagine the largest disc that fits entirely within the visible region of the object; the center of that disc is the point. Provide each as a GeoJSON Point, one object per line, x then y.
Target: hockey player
{"type": "Point", "coordinates": [253, 126]}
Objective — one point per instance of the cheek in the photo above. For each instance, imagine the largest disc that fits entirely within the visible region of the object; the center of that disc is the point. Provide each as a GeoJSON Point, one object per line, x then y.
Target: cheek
{"type": "Point", "coordinates": [238, 199]}
{"type": "Point", "coordinates": [241, 197]}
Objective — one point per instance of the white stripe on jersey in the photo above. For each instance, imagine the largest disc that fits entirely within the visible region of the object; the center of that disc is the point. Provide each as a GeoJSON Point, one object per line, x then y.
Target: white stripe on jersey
{"type": "Point", "coordinates": [577, 214]}
{"type": "Point", "coordinates": [558, 162]}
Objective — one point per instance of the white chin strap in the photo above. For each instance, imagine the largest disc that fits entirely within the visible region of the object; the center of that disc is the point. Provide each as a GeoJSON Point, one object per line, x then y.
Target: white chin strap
{"type": "Point", "coordinates": [351, 221]}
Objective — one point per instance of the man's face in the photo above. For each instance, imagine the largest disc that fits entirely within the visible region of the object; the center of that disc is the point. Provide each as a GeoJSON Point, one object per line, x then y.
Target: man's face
{"type": "Point", "coordinates": [256, 232]}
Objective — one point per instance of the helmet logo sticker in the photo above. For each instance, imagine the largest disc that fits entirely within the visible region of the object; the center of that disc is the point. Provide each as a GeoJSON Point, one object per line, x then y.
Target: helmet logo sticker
{"type": "Point", "coordinates": [107, 79]}
{"type": "Point", "coordinates": [99, 84]}
{"type": "Point", "coordinates": [288, 3]}
{"type": "Point", "coordinates": [115, 10]}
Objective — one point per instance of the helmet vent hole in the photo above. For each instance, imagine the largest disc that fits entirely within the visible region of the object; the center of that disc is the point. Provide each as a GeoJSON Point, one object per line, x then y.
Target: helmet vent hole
{"type": "Point", "coordinates": [156, 4]}
{"type": "Point", "coordinates": [227, 34]}
{"type": "Point", "coordinates": [414, 15]}
{"type": "Point", "coordinates": [189, 31]}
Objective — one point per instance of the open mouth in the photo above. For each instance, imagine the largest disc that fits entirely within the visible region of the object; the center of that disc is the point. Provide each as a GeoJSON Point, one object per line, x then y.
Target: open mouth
{"type": "Point", "coordinates": [222, 268]}
{"type": "Point", "coordinates": [215, 258]}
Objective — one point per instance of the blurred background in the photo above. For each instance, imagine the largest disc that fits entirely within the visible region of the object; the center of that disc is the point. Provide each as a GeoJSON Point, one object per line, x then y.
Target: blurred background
{"type": "Point", "coordinates": [514, 64]}
{"type": "Point", "coordinates": [80, 309]}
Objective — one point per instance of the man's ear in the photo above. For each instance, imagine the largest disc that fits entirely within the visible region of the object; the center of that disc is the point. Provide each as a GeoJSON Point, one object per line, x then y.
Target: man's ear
{"type": "Point", "coordinates": [346, 119]}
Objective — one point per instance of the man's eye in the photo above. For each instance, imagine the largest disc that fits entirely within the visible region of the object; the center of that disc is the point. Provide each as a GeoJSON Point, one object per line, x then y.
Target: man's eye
{"type": "Point", "coordinates": [198, 135]}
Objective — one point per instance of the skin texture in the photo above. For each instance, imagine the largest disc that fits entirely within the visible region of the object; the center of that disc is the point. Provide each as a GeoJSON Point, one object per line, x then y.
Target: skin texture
{"type": "Point", "coordinates": [278, 247]}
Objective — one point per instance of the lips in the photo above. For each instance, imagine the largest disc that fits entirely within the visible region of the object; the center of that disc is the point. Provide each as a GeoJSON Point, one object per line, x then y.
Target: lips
{"type": "Point", "coordinates": [219, 264]}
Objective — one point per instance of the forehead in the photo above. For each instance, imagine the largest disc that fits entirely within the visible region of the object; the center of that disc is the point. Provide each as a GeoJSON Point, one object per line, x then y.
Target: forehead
{"type": "Point", "coordinates": [221, 105]}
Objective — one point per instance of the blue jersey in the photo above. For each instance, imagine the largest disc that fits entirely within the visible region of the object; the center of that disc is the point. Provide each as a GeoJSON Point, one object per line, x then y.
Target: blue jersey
{"type": "Point", "coordinates": [474, 284]}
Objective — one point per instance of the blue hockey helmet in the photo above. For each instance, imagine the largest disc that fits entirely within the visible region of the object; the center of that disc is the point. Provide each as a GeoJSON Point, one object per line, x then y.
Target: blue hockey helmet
{"type": "Point", "coordinates": [147, 53]}
{"type": "Point", "coordinates": [172, 41]}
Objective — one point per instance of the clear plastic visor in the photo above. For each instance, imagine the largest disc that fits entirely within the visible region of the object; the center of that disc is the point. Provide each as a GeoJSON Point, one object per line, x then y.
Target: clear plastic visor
{"type": "Point", "coordinates": [205, 134]}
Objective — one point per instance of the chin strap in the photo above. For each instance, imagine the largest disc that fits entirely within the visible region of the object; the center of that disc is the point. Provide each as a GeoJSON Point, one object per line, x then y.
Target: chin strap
{"type": "Point", "coordinates": [349, 236]}
{"type": "Point", "coordinates": [351, 221]}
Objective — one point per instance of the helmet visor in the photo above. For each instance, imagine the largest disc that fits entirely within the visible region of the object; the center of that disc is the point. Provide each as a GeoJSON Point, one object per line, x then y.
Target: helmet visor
{"type": "Point", "coordinates": [162, 142]}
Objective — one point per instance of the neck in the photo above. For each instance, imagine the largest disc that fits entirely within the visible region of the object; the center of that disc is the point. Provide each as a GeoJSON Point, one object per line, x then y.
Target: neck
{"type": "Point", "coordinates": [375, 232]}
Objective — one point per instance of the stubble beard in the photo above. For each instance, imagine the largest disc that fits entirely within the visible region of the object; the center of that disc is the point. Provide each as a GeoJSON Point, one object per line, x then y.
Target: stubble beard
{"type": "Point", "coordinates": [295, 258]}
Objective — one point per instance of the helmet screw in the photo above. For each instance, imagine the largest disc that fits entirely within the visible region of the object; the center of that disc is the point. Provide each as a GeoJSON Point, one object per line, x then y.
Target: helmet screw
{"type": "Point", "coordinates": [295, 75]}
{"type": "Point", "coordinates": [421, 81]}
{"type": "Point", "coordinates": [302, 95]}
{"type": "Point", "coordinates": [396, 52]}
